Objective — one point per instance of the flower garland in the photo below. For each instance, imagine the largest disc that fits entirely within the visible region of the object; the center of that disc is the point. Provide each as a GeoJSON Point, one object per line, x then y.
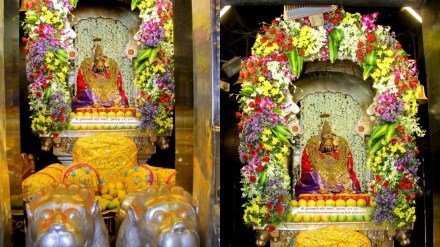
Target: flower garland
{"type": "Point", "coordinates": [277, 59]}
{"type": "Point", "coordinates": [48, 30]}
{"type": "Point", "coordinates": [154, 65]}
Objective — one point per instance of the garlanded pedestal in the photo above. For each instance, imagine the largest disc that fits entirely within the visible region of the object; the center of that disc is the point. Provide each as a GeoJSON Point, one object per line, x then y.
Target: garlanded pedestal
{"type": "Point", "coordinates": [284, 235]}
{"type": "Point", "coordinates": [63, 144]}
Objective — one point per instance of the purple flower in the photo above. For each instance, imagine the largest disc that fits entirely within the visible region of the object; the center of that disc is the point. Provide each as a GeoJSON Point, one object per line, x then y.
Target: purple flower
{"type": "Point", "coordinates": [389, 107]}
{"type": "Point", "coordinates": [152, 33]}
{"type": "Point", "coordinates": [368, 21]}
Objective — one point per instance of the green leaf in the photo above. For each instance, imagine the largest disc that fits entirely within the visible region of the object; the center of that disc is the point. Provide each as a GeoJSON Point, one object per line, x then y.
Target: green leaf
{"type": "Point", "coordinates": [134, 4]}
{"type": "Point", "coordinates": [367, 71]}
{"type": "Point", "coordinates": [371, 58]}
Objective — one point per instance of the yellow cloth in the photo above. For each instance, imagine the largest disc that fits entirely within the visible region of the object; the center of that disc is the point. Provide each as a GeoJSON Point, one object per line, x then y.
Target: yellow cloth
{"type": "Point", "coordinates": [110, 154]}
{"type": "Point", "coordinates": [47, 176]}
{"type": "Point", "coordinates": [163, 175]}
{"type": "Point", "coordinates": [142, 176]}
{"type": "Point", "coordinates": [331, 236]}
{"type": "Point", "coordinates": [82, 173]}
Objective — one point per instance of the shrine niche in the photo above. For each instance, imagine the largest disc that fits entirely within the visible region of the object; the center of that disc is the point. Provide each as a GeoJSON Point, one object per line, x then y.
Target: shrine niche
{"type": "Point", "coordinates": [102, 70]}
{"type": "Point", "coordinates": [340, 93]}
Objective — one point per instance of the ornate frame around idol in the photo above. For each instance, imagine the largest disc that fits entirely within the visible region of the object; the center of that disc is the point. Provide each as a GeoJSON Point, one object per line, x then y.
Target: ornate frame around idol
{"type": "Point", "coordinates": [50, 50]}
{"type": "Point", "coordinates": [268, 122]}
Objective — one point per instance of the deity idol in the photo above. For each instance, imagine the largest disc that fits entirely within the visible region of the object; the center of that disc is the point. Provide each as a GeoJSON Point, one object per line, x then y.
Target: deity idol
{"type": "Point", "coordinates": [99, 83]}
{"type": "Point", "coordinates": [327, 165]}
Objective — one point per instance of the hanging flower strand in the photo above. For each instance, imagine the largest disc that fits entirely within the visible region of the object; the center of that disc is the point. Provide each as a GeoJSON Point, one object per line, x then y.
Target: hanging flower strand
{"type": "Point", "coordinates": [48, 31]}
{"type": "Point", "coordinates": [154, 65]}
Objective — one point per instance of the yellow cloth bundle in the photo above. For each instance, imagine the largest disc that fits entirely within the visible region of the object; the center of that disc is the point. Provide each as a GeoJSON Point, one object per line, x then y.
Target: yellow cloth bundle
{"type": "Point", "coordinates": [163, 175]}
{"type": "Point", "coordinates": [82, 173]}
{"type": "Point", "coordinates": [331, 236]}
{"type": "Point", "coordinates": [110, 154]}
{"type": "Point", "coordinates": [50, 174]}
{"type": "Point", "coordinates": [138, 178]}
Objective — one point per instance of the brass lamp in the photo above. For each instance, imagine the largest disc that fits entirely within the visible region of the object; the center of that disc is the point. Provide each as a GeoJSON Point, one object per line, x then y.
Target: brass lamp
{"type": "Point", "coordinates": [421, 97]}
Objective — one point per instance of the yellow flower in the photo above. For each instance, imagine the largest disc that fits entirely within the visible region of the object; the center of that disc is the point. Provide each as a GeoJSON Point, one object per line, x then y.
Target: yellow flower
{"type": "Point", "coordinates": [268, 147]}
{"type": "Point", "coordinates": [279, 156]}
{"type": "Point", "coordinates": [275, 141]}
{"type": "Point", "coordinates": [377, 160]}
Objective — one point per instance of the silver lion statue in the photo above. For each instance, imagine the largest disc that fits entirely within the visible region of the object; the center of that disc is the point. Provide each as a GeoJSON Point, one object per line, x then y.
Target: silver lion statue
{"type": "Point", "coordinates": [65, 215]}
{"type": "Point", "coordinates": [160, 216]}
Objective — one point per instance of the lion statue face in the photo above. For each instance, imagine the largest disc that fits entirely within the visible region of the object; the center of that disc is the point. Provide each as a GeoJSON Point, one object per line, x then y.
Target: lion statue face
{"type": "Point", "coordinates": [65, 215]}
{"type": "Point", "coordinates": [160, 216]}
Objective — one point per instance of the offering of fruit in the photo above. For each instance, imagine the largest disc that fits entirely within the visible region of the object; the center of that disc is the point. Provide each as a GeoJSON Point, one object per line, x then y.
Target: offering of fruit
{"type": "Point", "coordinates": [111, 195]}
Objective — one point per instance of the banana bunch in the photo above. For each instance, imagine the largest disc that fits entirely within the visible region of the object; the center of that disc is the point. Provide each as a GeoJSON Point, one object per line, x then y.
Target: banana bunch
{"type": "Point", "coordinates": [381, 136]}
{"type": "Point", "coordinates": [296, 62]}
{"type": "Point", "coordinates": [334, 40]}
{"type": "Point", "coordinates": [111, 196]}
{"type": "Point", "coordinates": [145, 58]}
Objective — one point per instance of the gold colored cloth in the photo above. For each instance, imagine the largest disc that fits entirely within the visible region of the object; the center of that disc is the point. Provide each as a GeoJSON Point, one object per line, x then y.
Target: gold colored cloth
{"type": "Point", "coordinates": [82, 173]}
{"type": "Point", "coordinates": [333, 171]}
{"type": "Point", "coordinates": [110, 154]}
{"type": "Point", "coordinates": [146, 175]}
{"type": "Point", "coordinates": [47, 176]}
{"type": "Point", "coordinates": [163, 175]}
{"type": "Point", "coordinates": [105, 89]}
{"type": "Point", "coordinates": [331, 236]}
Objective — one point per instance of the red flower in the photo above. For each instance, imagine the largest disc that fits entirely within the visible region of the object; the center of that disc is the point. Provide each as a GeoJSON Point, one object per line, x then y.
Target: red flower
{"type": "Point", "coordinates": [237, 115]}
{"type": "Point", "coordinates": [360, 44]}
{"type": "Point", "coordinates": [62, 119]}
{"type": "Point", "coordinates": [265, 159]}
{"type": "Point", "coordinates": [416, 152]}
{"type": "Point", "coordinates": [55, 134]}
{"type": "Point", "coordinates": [264, 39]}
{"type": "Point", "coordinates": [38, 94]}
{"type": "Point", "coordinates": [396, 80]}
{"type": "Point", "coordinates": [386, 184]}
{"type": "Point", "coordinates": [370, 37]}
{"type": "Point", "coordinates": [360, 59]}
{"type": "Point", "coordinates": [359, 51]}
{"type": "Point", "coordinates": [269, 206]}
{"type": "Point", "coordinates": [251, 104]}
{"type": "Point", "coordinates": [265, 28]}
{"type": "Point", "coordinates": [280, 209]}
{"type": "Point", "coordinates": [250, 64]}
{"type": "Point", "coordinates": [239, 127]}
{"type": "Point", "coordinates": [271, 228]}
{"type": "Point", "coordinates": [274, 22]}
{"type": "Point", "coordinates": [260, 168]}
{"type": "Point", "coordinates": [301, 52]}
{"type": "Point", "coordinates": [267, 215]}
{"type": "Point", "coordinates": [402, 186]}
{"type": "Point", "coordinates": [252, 179]}
{"type": "Point", "coordinates": [408, 197]}
{"type": "Point", "coordinates": [280, 199]}
{"type": "Point", "coordinates": [378, 178]}
{"type": "Point", "coordinates": [400, 127]}
{"type": "Point", "coordinates": [44, 85]}
{"type": "Point", "coordinates": [398, 46]}
{"type": "Point", "coordinates": [369, 48]}
{"type": "Point", "coordinates": [257, 100]}
{"type": "Point", "coordinates": [272, 31]}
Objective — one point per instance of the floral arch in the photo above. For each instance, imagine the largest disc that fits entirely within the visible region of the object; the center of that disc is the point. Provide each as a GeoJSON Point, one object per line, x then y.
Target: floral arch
{"type": "Point", "coordinates": [49, 38]}
{"type": "Point", "coordinates": [266, 107]}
